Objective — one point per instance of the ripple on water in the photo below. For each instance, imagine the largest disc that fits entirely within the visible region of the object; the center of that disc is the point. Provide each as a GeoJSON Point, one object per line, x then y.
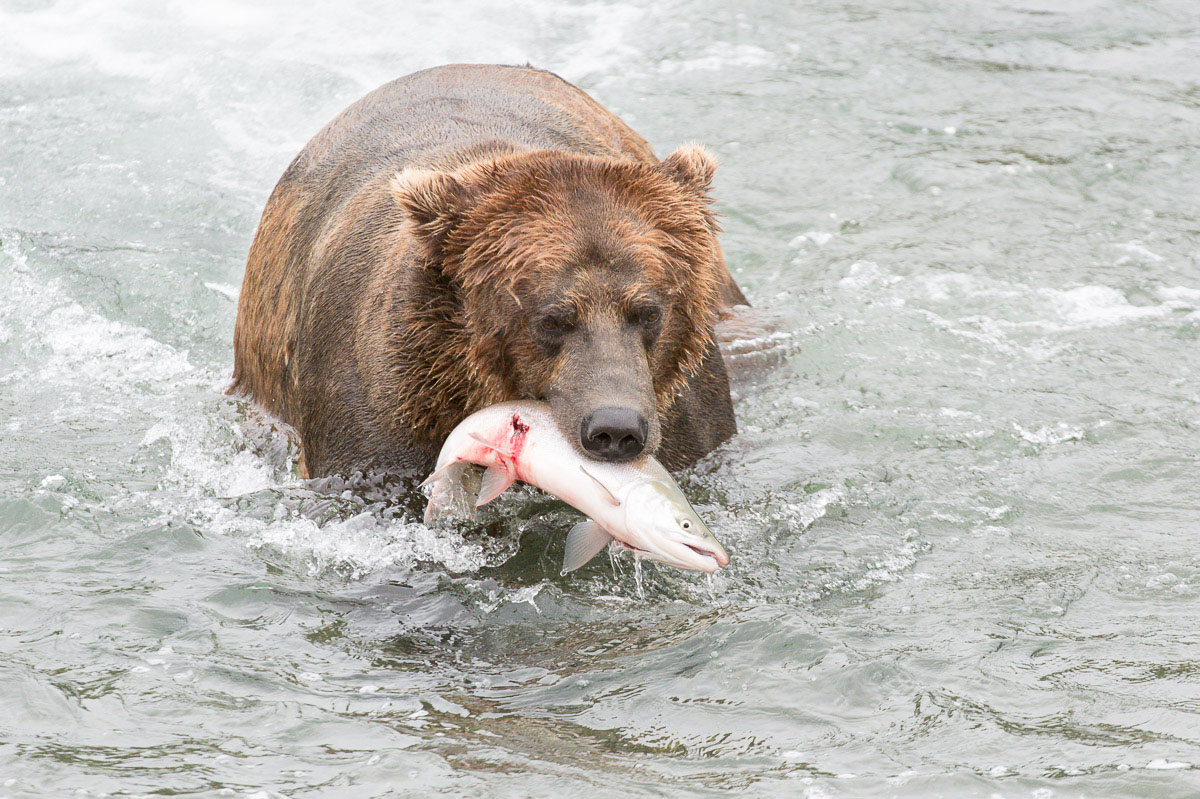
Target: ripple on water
{"type": "Point", "coordinates": [960, 507]}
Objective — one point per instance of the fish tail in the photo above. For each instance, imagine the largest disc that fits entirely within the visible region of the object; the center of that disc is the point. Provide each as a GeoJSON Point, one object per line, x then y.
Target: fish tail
{"type": "Point", "coordinates": [446, 491]}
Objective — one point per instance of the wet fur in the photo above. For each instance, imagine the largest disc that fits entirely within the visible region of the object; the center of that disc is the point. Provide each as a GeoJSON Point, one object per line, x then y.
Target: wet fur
{"type": "Point", "coordinates": [382, 300]}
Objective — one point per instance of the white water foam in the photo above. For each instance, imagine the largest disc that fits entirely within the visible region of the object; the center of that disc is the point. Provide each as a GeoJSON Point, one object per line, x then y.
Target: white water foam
{"type": "Point", "coordinates": [365, 543]}
{"type": "Point", "coordinates": [867, 274]}
{"type": "Point", "coordinates": [720, 56]}
{"type": "Point", "coordinates": [817, 237]}
{"type": "Point", "coordinates": [224, 289]}
{"type": "Point", "coordinates": [82, 354]}
{"type": "Point", "coordinates": [1099, 306]}
{"type": "Point", "coordinates": [82, 350]}
{"type": "Point", "coordinates": [1051, 434]}
{"type": "Point", "coordinates": [1056, 310]}
{"type": "Point", "coordinates": [208, 468]}
{"type": "Point", "coordinates": [803, 514]}
{"type": "Point", "coordinates": [367, 44]}
{"type": "Point", "coordinates": [1140, 252]}
{"type": "Point", "coordinates": [85, 347]}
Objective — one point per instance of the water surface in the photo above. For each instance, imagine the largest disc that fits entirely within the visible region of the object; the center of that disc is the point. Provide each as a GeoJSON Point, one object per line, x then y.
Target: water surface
{"type": "Point", "coordinates": [962, 507]}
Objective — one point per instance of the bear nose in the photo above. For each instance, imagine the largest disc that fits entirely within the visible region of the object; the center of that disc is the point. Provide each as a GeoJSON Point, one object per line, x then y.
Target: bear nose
{"type": "Point", "coordinates": [614, 434]}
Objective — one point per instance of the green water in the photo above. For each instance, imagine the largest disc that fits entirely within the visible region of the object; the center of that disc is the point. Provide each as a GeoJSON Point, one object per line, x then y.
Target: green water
{"type": "Point", "coordinates": [962, 508]}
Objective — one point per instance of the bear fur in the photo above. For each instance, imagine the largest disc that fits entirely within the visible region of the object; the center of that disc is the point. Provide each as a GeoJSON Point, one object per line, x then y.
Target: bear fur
{"type": "Point", "coordinates": [400, 274]}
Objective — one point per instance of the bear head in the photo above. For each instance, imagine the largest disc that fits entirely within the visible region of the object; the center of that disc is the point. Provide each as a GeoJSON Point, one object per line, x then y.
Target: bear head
{"type": "Point", "coordinates": [591, 283]}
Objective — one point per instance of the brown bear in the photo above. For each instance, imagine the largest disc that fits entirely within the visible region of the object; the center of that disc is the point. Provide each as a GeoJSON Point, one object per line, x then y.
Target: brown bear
{"type": "Point", "coordinates": [472, 234]}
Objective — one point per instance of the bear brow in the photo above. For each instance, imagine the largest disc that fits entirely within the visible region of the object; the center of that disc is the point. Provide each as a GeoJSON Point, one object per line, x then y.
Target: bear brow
{"type": "Point", "coordinates": [565, 304]}
{"type": "Point", "coordinates": [639, 295]}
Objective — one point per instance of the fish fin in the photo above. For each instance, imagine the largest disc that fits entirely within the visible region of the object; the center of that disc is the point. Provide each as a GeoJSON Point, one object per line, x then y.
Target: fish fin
{"type": "Point", "coordinates": [445, 491]}
{"type": "Point", "coordinates": [507, 452]}
{"type": "Point", "coordinates": [496, 481]}
{"type": "Point", "coordinates": [609, 495]}
{"type": "Point", "coordinates": [438, 472]}
{"type": "Point", "coordinates": [584, 542]}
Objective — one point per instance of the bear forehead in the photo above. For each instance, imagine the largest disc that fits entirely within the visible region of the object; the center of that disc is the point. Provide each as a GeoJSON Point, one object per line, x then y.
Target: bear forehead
{"type": "Point", "coordinates": [588, 286]}
{"type": "Point", "coordinates": [597, 260]}
{"type": "Point", "coordinates": [622, 218]}
{"type": "Point", "coordinates": [581, 194]}
{"type": "Point", "coordinates": [588, 226]}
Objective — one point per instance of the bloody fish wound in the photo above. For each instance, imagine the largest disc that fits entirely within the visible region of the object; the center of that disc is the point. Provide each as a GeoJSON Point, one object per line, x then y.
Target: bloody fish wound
{"type": "Point", "coordinates": [635, 503]}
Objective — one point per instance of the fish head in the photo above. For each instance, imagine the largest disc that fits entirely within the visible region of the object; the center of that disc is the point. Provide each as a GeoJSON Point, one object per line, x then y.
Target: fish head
{"type": "Point", "coordinates": [663, 526]}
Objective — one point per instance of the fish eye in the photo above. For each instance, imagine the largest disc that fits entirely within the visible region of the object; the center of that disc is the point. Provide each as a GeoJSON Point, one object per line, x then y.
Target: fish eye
{"type": "Point", "coordinates": [685, 524]}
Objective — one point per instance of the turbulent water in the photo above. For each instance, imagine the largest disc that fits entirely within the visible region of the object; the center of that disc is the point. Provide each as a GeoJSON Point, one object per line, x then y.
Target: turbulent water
{"type": "Point", "coordinates": [962, 506]}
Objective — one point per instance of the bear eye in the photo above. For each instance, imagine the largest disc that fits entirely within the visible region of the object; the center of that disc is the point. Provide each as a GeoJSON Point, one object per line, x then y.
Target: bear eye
{"type": "Point", "coordinates": [649, 316]}
{"type": "Point", "coordinates": [554, 325]}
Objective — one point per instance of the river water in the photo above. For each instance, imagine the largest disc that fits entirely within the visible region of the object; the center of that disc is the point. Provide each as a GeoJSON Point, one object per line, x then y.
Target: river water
{"type": "Point", "coordinates": [962, 507]}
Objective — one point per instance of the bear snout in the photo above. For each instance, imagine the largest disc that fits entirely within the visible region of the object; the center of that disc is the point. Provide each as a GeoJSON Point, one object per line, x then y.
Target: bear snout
{"type": "Point", "coordinates": [614, 434]}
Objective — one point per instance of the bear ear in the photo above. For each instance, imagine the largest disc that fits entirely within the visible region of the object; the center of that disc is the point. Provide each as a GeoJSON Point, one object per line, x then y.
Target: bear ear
{"type": "Point", "coordinates": [433, 200]}
{"type": "Point", "coordinates": [692, 167]}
